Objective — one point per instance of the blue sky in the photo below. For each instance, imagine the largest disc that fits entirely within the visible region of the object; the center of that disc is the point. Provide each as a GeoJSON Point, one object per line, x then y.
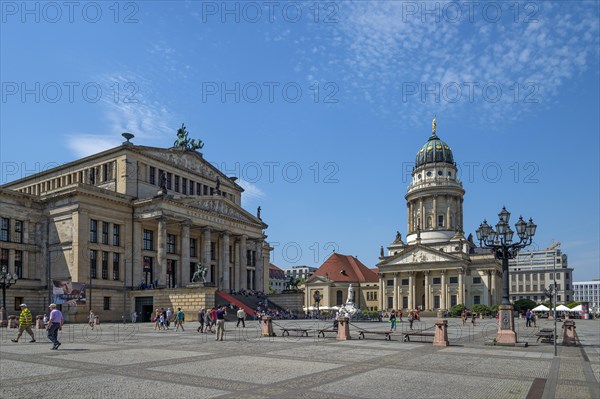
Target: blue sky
{"type": "Point", "coordinates": [321, 107]}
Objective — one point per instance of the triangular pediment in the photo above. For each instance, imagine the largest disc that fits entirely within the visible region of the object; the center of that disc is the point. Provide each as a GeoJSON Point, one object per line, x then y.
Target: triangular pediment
{"type": "Point", "coordinates": [416, 254]}
{"type": "Point", "coordinates": [220, 206]}
{"type": "Point", "coordinates": [190, 160]}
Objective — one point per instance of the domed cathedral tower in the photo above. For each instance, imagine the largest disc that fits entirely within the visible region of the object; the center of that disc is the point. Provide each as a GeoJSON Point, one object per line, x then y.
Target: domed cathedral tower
{"type": "Point", "coordinates": [435, 195]}
{"type": "Point", "coordinates": [437, 267]}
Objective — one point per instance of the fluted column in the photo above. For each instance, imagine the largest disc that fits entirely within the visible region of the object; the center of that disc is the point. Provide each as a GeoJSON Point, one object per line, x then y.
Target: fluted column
{"type": "Point", "coordinates": [427, 290]}
{"type": "Point", "coordinates": [410, 217]}
{"type": "Point", "coordinates": [422, 210]}
{"type": "Point", "coordinates": [444, 291]}
{"type": "Point", "coordinates": [411, 290]}
{"type": "Point", "coordinates": [493, 289]}
{"type": "Point", "coordinates": [448, 206]}
{"type": "Point", "coordinates": [205, 255]}
{"type": "Point", "coordinates": [185, 253]}
{"type": "Point", "coordinates": [461, 287]}
{"type": "Point", "coordinates": [395, 291]}
{"type": "Point", "coordinates": [434, 221]}
{"type": "Point", "coordinates": [161, 256]}
{"type": "Point", "coordinates": [136, 263]}
{"type": "Point", "coordinates": [382, 297]}
{"type": "Point", "coordinates": [243, 272]}
{"type": "Point", "coordinates": [225, 260]}
{"type": "Point", "coordinates": [260, 269]}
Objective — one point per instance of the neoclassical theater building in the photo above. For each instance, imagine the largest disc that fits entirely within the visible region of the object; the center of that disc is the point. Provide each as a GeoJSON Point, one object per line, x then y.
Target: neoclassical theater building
{"type": "Point", "coordinates": [132, 223]}
{"type": "Point", "coordinates": [437, 267]}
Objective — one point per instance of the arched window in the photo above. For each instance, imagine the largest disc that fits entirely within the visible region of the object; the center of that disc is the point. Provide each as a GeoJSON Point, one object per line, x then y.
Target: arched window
{"type": "Point", "coordinates": [440, 220]}
{"type": "Point", "coordinates": [339, 298]}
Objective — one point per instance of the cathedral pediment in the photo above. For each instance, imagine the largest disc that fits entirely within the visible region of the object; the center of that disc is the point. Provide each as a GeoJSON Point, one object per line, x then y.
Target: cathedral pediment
{"type": "Point", "coordinates": [416, 254]}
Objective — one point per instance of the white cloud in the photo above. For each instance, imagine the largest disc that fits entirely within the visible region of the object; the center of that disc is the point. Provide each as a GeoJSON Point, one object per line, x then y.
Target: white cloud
{"type": "Point", "coordinates": [84, 145]}
{"type": "Point", "coordinates": [386, 51]}
{"type": "Point", "coordinates": [251, 191]}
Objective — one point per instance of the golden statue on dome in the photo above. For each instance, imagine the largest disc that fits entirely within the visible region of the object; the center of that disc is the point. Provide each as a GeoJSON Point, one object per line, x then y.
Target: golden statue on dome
{"type": "Point", "coordinates": [433, 125]}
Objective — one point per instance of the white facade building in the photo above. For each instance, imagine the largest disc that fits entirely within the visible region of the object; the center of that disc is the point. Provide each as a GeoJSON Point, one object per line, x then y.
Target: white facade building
{"type": "Point", "coordinates": [588, 291]}
{"type": "Point", "coordinates": [533, 271]}
{"type": "Point", "coordinates": [300, 272]}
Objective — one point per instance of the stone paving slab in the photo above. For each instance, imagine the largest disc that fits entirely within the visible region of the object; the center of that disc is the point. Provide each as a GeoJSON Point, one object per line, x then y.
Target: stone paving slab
{"type": "Point", "coordinates": [257, 370]}
{"type": "Point", "coordinates": [130, 361]}
{"type": "Point", "coordinates": [16, 369]}
{"type": "Point", "coordinates": [102, 387]}
{"type": "Point", "coordinates": [128, 356]}
{"type": "Point", "coordinates": [388, 383]}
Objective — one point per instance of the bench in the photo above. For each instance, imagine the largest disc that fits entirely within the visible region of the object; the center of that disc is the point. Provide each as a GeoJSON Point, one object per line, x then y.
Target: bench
{"type": "Point", "coordinates": [321, 333]}
{"type": "Point", "coordinates": [388, 334]}
{"type": "Point", "coordinates": [423, 333]}
{"type": "Point", "coordinates": [546, 335]}
{"type": "Point", "coordinates": [302, 331]}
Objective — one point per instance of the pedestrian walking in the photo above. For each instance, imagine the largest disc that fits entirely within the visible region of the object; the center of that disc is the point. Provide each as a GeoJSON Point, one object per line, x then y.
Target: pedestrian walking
{"type": "Point", "coordinates": [221, 323]}
{"type": "Point", "coordinates": [179, 316]}
{"type": "Point", "coordinates": [25, 322]}
{"type": "Point", "coordinates": [410, 320]}
{"type": "Point", "coordinates": [241, 318]}
{"type": "Point", "coordinates": [92, 320]}
{"type": "Point", "coordinates": [463, 316]}
{"type": "Point", "coordinates": [200, 328]}
{"type": "Point", "coordinates": [528, 318]}
{"type": "Point", "coordinates": [473, 319]}
{"type": "Point", "coordinates": [169, 318]}
{"type": "Point", "coordinates": [393, 320]}
{"type": "Point", "coordinates": [54, 325]}
{"type": "Point", "coordinates": [208, 322]}
{"type": "Point", "coordinates": [133, 317]}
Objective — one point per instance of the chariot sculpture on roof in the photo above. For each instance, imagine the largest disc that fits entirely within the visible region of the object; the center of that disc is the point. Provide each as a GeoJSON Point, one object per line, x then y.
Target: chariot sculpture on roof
{"type": "Point", "coordinates": [185, 142]}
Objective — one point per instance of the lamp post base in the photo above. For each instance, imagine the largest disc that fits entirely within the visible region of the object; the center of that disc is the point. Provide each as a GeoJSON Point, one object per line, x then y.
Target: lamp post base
{"type": "Point", "coordinates": [506, 334]}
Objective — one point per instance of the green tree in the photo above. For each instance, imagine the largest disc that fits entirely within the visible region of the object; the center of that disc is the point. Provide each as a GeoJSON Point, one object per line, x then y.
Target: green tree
{"type": "Point", "coordinates": [481, 309]}
{"type": "Point", "coordinates": [572, 304]}
{"type": "Point", "coordinates": [523, 304]}
{"type": "Point", "coordinates": [456, 310]}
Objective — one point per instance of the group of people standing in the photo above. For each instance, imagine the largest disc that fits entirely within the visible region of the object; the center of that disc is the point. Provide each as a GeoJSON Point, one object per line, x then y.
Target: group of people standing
{"type": "Point", "coordinates": [214, 317]}
{"type": "Point", "coordinates": [163, 319]}
{"type": "Point", "coordinates": [530, 319]}
{"type": "Point", "coordinates": [397, 315]}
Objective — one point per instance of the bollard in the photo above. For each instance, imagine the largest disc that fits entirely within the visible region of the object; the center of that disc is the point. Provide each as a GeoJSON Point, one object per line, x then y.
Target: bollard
{"type": "Point", "coordinates": [39, 322]}
{"type": "Point", "coordinates": [441, 333]}
{"type": "Point", "coordinates": [569, 335]}
{"type": "Point", "coordinates": [267, 327]}
{"type": "Point", "coordinates": [12, 321]}
{"type": "Point", "coordinates": [343, 329]}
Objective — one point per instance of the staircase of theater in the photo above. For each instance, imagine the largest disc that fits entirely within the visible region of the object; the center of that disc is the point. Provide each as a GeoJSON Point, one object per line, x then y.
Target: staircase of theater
{"type": "Point", "coordinates": [248, 303]}
{"type": "Point", "coordinates": [234, 301]}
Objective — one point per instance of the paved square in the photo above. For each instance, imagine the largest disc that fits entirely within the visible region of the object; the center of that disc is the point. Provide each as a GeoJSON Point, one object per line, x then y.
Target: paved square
{"type": "Point", "coordinates": [134, 361]}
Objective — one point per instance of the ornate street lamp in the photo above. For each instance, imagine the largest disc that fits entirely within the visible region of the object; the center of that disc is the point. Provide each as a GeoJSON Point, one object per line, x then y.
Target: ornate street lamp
{"type": "Point", "coordinates": [317, 298]}
{"type": "Point", "coordinates": [500, 241]}
{"type": "Point", "coordinates": [6, 280]}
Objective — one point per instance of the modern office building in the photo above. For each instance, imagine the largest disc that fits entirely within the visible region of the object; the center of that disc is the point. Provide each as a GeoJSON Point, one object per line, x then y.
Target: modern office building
{"type": "Point", "coordinates": [276, 279]}
{"type": "Point", "coordinates": [300, 272]}
{"type": "Point", "coordinates": [532, 275]}
{"type": "Point", "coordinates": [588, 291]}
{"type": "Point", "coordinates": [127, 229]}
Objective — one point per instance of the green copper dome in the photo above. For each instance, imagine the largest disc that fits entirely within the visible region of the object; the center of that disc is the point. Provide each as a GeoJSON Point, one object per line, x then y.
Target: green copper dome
{"type": "Point", "coordinates": [434, 150]}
